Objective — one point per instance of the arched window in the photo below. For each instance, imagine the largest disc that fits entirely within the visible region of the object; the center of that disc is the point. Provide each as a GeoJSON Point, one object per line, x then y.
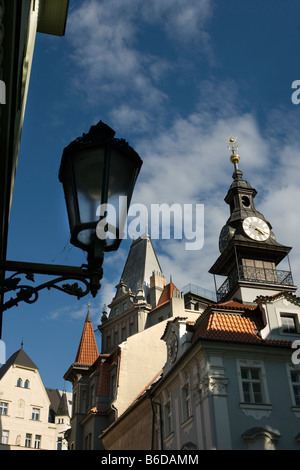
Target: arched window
{"type": "Point", "coordinates": [19, 382]}
{"type": "Point", "coordinates": [26, 384]}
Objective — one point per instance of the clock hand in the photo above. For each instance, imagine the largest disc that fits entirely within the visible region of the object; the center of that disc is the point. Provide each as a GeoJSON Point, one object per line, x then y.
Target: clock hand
{"type": "Point", "coordinates": [261, 231]}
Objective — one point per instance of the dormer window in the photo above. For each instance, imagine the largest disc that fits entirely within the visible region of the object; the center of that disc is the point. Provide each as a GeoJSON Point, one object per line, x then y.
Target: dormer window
{"type": "Point", "coordinates": [288, 323]}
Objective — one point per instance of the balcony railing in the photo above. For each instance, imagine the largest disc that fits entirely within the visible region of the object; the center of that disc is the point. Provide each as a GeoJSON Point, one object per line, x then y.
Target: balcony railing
{"type": "Point", "coordinates": [254, 274]}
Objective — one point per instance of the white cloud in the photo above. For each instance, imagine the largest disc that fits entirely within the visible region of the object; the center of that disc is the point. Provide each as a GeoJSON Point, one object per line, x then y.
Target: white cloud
{"type": "Point", "coordinates": [112, 62]}
{"type": "Point", "coordinates": [185, 161]}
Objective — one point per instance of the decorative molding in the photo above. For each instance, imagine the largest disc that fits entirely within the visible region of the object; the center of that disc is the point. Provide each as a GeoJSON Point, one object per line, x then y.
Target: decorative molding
{"type": "Point", "coordinates": [296, 411]}
{"type": "Point", "coordinates": [257, 411]}
{"type": "Point", "coordinates": [215, 385]}
{"type": "Point", "coordinates": [187, 425]}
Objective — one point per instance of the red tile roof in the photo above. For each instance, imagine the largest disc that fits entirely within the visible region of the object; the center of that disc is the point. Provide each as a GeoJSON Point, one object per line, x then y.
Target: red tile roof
{"type": "Point", "coordinates": [232, 321]}
{"type": "Point", "coordinates": [167, 294]}
{"type": "Point", "coordinates": [87, 351]}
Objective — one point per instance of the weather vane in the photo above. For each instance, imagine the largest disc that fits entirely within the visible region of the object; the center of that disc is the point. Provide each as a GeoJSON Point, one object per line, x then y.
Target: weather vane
{"type": "Point", "coordinates": [233, 146]}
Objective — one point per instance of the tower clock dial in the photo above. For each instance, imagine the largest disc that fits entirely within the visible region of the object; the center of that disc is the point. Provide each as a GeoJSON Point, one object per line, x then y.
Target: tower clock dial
{"type": "Point", "coordinates": [256, 228]}
{"type": "Point", "coordinates": [226, 235]}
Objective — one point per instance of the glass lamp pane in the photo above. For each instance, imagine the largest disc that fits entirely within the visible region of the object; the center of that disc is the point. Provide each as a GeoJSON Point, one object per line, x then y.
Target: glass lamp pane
{"type": "Point", "coordinates": [70, 201]}
{"type": "Point", "coordinates": [88, 169]}
{"type": "Point", "coordinates": [122, 178]}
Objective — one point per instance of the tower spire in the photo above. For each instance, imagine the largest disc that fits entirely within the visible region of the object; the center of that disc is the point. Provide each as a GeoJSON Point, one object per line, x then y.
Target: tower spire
{"type": "Point", "coordinates": [87, 351]}
{"type": "Point", "coordinates": [232, 145]}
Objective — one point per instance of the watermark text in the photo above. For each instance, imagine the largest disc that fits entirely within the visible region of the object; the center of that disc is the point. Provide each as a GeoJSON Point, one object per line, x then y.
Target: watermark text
{"type": "Point", "coordinates": [161, 221]}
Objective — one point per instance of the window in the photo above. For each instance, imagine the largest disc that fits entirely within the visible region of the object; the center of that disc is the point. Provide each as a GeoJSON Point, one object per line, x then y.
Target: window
{"type": "Point", "coordinates": [26, 384]}
{"type": "Point", "coordinates": [92, 393]}
{"type": "Point", "coordinates": [168, 418]}
{"type": "Point", "coordinates": [4, 437]}
{"type": "Point", "coordinates": [131, 329]}
{"type": "Point", "coordinates": [3, 408]}
{"type": "Point", "coordinates": [186, 402]}
{"type": "Point", "coordinates": [35, 416]}
{"type": "Point", "coordinates": [252, 385]}
{"type": "Point", "coordinates": [59, 443]}
{"type": "Point", "coordinates": [288, 323]}
{"type": "Point", "coordinates": [258, 270]}
{"type": "Point", "coordinates": [28, 440]}
{"type": "Point", "coordinates": [19, 382]}
{"type": "Point", "coordinates": [295, 378]}
{"type": "Point", "coordinates": [88, 441]}
{"type": "Point", "coordinates": [113, 383]}
{"type": "Point", "coordinates": [124, 306]}
{"type": "Point", "coordinates": [108, 341]}
{"type": "Point", "coordinates": [37, 441]}
{"type": "Point", "coordinates": [116, 337]}
{"type": "Point", "coordinates": [84, 403]}
{"type": "Point", "coordinates": [245, 201]}
{"type": "Point", "coordinates": [123, 334]}
{"type": "Point", "coordinates": [74, 407]}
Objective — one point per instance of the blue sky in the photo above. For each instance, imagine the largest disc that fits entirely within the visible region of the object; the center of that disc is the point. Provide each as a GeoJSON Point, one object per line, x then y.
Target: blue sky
{"type": "Point", "coordinates": [175, 79]}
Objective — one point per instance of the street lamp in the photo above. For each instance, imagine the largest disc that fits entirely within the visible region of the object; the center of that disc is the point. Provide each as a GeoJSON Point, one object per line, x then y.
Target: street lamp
{"type": "Point", "coordinates": [98, 173]}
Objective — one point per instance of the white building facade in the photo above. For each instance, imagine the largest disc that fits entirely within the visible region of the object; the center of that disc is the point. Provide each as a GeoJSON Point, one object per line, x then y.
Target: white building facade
{"type": "Point", "coordinates": [28, 420]}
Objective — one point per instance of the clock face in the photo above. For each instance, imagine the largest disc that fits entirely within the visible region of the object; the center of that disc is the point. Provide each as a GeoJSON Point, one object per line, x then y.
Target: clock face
{"type": "Point", "coordinates": [173, 348]}
{"type": "Point", "coordinates": [256, 228]}
{"type": "Point", "coordinates": [226, 234]}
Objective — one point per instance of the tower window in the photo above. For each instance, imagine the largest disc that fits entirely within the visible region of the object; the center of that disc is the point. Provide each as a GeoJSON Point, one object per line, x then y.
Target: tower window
{"type": "Point", "coordinates": [246, 201]}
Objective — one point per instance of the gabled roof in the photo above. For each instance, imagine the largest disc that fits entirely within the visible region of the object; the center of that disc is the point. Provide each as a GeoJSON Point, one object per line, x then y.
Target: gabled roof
{"type": "Point", "coordinates": [87, 351]}
{"type": "Point", "coordinates": [280, 295]}
{"type": "Point", "coordinates": [19, 358]}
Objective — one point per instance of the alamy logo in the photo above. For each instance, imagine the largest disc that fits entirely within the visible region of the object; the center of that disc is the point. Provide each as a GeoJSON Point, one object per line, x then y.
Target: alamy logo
{"type": "Point", "coordinates": [2, 92]}
{"type": "Point", "coordinates": [2, 352]}
{"type": "Point", "coordinates": [164, 221]}
{"type": "Point", "coordinates": [296, 354]}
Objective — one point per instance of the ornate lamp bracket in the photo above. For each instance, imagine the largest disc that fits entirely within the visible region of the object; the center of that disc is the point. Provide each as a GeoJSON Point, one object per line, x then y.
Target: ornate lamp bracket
{"type": "Point", "coordinates": [29, 293]}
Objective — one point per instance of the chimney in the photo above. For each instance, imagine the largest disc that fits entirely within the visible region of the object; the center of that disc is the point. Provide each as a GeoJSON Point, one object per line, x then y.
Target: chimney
{"type": "Point", "coordinates": [157, 284]}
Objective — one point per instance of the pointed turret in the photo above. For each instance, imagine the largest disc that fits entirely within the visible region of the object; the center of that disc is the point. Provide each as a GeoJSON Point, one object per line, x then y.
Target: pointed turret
{"type": "Point", "coordinates": [87, 351]}
{"type": "Point", "coordinates": [141, 262]}
{"type": "Point", "coordinates": [63, 409]}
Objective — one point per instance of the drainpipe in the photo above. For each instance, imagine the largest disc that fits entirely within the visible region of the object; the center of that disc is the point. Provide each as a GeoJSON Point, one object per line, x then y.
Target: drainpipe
{"type": "Point", "coordinates": [153, 420]}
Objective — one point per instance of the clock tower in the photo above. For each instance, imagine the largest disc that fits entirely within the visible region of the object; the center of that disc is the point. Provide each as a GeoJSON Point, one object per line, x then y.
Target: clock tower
{"type": "Point", "coordinates": [249, 250]}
